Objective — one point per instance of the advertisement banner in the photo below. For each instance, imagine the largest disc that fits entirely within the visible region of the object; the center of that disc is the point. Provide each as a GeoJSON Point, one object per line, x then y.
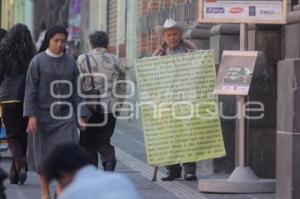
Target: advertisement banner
{"type": "Point", "coordinates": [251, 11]}
{"type": "Point", "coordinates": [180, 114]}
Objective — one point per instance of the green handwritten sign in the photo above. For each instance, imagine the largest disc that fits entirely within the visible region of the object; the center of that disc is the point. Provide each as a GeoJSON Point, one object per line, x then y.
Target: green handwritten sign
{"type": "Point", "coordinates": [179, 112]}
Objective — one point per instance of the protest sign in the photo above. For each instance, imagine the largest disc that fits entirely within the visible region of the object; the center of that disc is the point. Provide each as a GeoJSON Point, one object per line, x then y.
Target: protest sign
{"type": "Point", "coordinates": [179, 112]}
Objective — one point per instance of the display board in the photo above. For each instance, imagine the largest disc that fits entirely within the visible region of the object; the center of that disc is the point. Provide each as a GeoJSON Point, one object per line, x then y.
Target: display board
{"type": "Point", "coordinates": [235, 73]}
{"type": "Point", "coordinates": [239, 11]}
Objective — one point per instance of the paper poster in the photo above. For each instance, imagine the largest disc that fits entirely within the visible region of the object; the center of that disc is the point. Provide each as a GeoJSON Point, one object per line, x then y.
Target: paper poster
{"type": "Point", "coordinates": [179, 112]}
{"type": "Point", "coordinates": [235, 73]}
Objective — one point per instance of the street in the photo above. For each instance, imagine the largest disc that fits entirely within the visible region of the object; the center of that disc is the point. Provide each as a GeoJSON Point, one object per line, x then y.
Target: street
{"type": "Point", "coordinates": [128, 139]}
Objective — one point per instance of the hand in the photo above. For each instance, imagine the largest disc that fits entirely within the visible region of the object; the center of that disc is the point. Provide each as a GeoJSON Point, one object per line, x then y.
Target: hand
{"type": "Point", "coordinates": [82, 123]}
{"type": "Point", "coordinates": [32, 125]}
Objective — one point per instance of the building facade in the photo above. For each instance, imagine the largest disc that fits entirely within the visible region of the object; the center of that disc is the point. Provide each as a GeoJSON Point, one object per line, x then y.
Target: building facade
{"type": "Point", "coordinates": [16, 11]}
{"type": "Point", "coordinates": [130, 26]}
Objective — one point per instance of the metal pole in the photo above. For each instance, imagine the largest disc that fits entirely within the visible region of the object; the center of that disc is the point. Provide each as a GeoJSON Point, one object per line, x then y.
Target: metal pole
{"type": "Point", "coordinates": [240, 131]}
{"type": "Point", "coordinates": [243, 37]}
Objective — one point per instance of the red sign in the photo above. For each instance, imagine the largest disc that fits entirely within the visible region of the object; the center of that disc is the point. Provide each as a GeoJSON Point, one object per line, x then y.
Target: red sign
{"type": "Point", "coordinates": [236, 10]}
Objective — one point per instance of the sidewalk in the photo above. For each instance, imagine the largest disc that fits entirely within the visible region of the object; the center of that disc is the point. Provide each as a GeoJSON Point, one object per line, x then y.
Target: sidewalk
{"type": "Point", "coordinates": [140, 176]}
{"type": "Point", "coordinates": [131, 158]}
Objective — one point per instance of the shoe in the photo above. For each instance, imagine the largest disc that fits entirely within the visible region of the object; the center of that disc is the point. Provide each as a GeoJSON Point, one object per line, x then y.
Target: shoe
{"type": "Point", "coordinates": [22, 175]}
{"type": "Point", "coordinates": [13, 175]}
{"type": "Point", "coordinates": [172, 175]}
{"type": "Point", "coordinates": [14, 180]}
{"type": "Point", "coordinates": [110, 165]}
{"type": "Point", "coordinates": [190, 176]}
{"type": "Point", "coordinates": [55, 195]}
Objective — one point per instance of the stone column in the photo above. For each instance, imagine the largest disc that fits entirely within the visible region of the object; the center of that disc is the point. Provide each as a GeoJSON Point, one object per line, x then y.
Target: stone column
{"type": "Point", "coordinates": [225, 37]}
{"type": "Point", "coordinates": [261, 133]}
{"type": "Point", "coordinates": [199, 35]}
{"type": "Point", "coordinates": [288, 109]}
{"type": "Point", "coordinates": [57, 12]}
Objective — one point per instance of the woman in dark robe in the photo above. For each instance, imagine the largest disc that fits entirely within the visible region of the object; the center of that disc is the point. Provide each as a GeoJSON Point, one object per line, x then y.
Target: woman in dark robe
{"type": "Point", "coordinates": [3, 175]}
{"type": "Point", "coordinates": [51, 101]}
{"type": "Point", "coordinates": [16, 51]}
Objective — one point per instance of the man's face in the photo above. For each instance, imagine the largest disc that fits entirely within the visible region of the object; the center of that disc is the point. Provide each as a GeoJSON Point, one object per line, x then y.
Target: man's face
{"type": "Point", "coordinates": [57, 43]}
{"type": "Point", "coordinates": [172, 37]}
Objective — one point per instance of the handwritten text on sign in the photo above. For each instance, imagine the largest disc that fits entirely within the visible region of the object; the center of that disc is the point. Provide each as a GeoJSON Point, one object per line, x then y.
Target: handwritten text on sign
{"type": "Point", "coordinates": [179, 113]}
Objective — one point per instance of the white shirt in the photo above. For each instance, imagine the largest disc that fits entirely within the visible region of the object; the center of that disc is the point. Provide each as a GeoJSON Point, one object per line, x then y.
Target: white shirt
{"type": "Point", "coordinates": [51, 54]}
{"type": "Point", "coordinates": [91, 183]}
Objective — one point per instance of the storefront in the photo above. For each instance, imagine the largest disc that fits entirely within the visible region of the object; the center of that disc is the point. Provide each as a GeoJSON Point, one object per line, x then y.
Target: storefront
{"type": "Point", "coordinates": [16, 11]}
{"type": "Point", "coordinates": [7, 13]}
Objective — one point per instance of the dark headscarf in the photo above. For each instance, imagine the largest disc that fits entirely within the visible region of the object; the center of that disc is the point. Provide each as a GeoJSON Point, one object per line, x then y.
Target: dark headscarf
{"type": "Point", "coordinates": [51, 32]}
{"type": "Point", "coordinates": [2, 33]}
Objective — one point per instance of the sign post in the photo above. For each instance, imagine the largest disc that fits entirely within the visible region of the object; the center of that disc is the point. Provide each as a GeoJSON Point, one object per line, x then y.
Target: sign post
{"type": "Point", "coordinates": [232, 80]}
{"type": "Point", "coordinates": [240, 133]}
{"type": "Point", "coordinates": [241, 101]}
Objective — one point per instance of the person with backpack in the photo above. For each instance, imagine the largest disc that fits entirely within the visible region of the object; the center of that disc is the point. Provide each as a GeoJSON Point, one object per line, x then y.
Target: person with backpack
{"type": "Point", "coordinates": [102, 74]}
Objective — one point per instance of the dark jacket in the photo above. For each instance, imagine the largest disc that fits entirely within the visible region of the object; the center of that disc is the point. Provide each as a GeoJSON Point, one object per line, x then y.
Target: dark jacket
{"type": "Point", "coordinates": [161, 50]}
{"type": "Point", "coordinates": [3, 176]}
{"type": "Point", "coordinates": [12, 86]}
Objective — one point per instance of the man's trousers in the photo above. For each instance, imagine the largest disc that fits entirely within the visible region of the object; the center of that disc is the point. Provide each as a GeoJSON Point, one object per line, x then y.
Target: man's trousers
{"type": "Point", "coordinates": [97, 139]}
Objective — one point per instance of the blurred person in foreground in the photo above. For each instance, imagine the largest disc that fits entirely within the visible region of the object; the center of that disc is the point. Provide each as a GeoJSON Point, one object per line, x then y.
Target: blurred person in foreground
{"type": "Point", "coordinates": [16, 51]}
{"type": "Point", "coordinates": [70, 165]}
{"type": "Point", "coordinates": [171, 33]}
{"type": "Point", "coordinates": [3, 175]}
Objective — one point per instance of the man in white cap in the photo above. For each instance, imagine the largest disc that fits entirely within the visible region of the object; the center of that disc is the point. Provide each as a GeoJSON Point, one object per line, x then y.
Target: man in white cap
{"type": "Point", "coordinates": [171, 33]}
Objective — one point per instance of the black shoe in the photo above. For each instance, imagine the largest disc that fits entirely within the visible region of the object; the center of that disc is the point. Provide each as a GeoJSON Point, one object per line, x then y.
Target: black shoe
{"type": "Point", "coordinates": [22, 175]}
{"type": "Point", "coordinates": [190, 176]}
{"type": "Point", "coordinates": [14, 181]}
{"type": "Point", "coordinates": [172, 175]}
{"type": "Point", "coordinates": [55, 195]}
{"type": "Point", "coordinates": [110, 165]}
{"type": "Point", "coordinates": [13, 174]}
